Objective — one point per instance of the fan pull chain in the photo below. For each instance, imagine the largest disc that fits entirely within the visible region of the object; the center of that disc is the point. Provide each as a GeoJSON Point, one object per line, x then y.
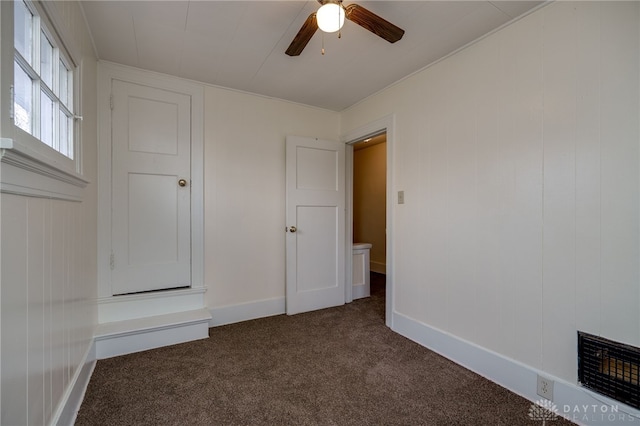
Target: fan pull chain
{"type": "Point", "coordinates": [322, 42]}
{"type": "Point", "coordinates": [339, 27]}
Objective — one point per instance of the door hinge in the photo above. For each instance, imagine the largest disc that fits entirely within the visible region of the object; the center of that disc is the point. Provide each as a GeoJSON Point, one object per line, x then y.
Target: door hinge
{"type": "Point", "coordinates": [111, 101]}
{"type": "Point", "coordinates": [112, 261]}
{"type": "Point", "coordinates": [11, 100]}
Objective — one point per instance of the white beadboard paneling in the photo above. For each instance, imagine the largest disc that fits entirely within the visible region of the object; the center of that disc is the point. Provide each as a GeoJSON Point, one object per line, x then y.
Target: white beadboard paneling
{"type": "Point", "coordinates": [527, 107]}
{"type": "Point", "coordinates": [47, 244]}
{"type": "Point", "coordinates": [619, 171]}
{"type": "Point", "coordinates": [72, 292]}
{"type": "Point", "coordinates": [549, 121]}
{"type": "Point", "coordinates": [505, 168]}
{"type": "Point", "coordinates": [36, 310]}
{"type": "Point", "coordinates": [559, 190]}
{"type": "Point", "coordinates": [409, 174]}
{"type": "Point", "coordinates": [461, 200]}
{"type": "Point", "coordinates": [14, 311]}
{"type": "Point", "coordinates": [67, 412]}
{"type": "Point", "coordinates": [488, 177]}
{"type": "Point", "coordinates": [436, 209]}
{"type": "Point", "coordinates": [44, 295]}
{"type": "Point", "coordinates": [588, 185]}
{"type": "Point", "coordinates": [58, 278]}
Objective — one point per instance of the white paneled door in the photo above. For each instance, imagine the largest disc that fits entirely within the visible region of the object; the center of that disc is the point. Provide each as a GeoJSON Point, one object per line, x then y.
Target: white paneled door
{"type": "Point", "coordinates": [151, 169]}
{"type": "Point", "coordinates": [315, 227]}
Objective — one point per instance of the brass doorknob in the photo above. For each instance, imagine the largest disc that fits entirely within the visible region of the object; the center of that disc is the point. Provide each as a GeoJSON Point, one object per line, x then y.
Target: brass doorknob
{"type": "Point", "coordinates": [292, 229]}
{"type": "Point", "coordinates": [182, 182]}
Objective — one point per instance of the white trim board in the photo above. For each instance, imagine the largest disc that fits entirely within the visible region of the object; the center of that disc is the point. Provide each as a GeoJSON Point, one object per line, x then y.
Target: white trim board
{"type": "Point", "coordinates": [27, 172]}
{"type": "Point", "coordinates": [230, 314]}
{"type": "Point", "coordinates": [136, 335]}
{"type": "Point", "coordinates": [578, 404]}
{"type": "Point", "coordinates": [68, 407]}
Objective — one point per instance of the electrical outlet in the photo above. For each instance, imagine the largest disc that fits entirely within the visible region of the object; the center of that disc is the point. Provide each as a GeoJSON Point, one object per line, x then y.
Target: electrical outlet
{"type": "Point", "coordinates": [545, 388]}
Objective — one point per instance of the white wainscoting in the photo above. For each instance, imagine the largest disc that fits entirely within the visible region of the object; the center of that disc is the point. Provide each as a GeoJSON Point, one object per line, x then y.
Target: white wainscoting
{"type": "Point", "coordinates": [72, 400]}
{"type": "Point", "coordinates": [48, 304]}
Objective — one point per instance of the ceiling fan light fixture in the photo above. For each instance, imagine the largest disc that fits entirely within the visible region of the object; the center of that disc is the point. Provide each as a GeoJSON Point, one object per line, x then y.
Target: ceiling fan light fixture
{"type": "Point", "coordinates": [330, 17]}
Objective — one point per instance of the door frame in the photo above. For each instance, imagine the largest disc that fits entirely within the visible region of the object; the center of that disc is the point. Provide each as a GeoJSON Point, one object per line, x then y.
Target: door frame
{"type": "Point", "coordinates": [383, 125]}
{"type": "Point", "coordinates": [188, 298]}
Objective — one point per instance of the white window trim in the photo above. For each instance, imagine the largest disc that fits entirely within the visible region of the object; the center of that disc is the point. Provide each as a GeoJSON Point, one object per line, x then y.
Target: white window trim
{"type": "Point", "coordinates": [28, 166]}
{"type": "Point", "coordinates": [26, 172]}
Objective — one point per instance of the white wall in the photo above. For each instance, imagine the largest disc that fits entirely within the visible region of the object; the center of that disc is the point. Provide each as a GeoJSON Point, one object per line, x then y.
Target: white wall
{"type": "Point", "coordinates": [519, 161]}
{"type": "Point", "coordinates": [48, 273]}
{"type": "Point", "coordinates": [245, 191]}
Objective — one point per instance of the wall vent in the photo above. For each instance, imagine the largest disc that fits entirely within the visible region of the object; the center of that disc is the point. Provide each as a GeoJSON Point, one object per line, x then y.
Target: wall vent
{"type": "Point", "coordinates": [609, 367]}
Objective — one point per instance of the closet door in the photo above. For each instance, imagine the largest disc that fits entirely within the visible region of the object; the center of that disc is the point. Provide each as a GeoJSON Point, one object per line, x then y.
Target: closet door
{"type": "Point", "coordinates": [151, 168]}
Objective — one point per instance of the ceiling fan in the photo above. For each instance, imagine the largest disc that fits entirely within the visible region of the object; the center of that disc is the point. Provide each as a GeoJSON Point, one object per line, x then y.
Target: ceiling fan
{"type": "Point", "coordinates": [335, 12]}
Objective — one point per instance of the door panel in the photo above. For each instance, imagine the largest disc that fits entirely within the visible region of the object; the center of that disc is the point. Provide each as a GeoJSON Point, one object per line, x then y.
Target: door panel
{"type": "Point", "coordinates": [152, 237]}
{"type": "Point", "coordinates": [153, 126]}
{"type": "Point", "coordinates": [316, 236]}
{"type": "Point", "coordinates": [151, 225]}
{"type": "Point", "coordinates": [316, 210]}
{"type": "Point", "coordinates": [316, 169]}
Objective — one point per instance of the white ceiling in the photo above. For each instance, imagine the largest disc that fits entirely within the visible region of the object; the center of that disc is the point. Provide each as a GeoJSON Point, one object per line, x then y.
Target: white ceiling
{"type": "Point", "coordinates": [241, 44]}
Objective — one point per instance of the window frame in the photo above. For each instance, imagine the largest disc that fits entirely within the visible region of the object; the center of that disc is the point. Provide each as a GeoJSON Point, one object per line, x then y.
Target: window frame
{"type": "Point", "coordinates": [28, 165]}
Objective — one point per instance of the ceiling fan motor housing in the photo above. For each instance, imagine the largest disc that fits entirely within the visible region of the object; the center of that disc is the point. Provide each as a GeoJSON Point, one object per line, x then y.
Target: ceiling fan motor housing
{"type": "Point", "coordinates": [330, 17]}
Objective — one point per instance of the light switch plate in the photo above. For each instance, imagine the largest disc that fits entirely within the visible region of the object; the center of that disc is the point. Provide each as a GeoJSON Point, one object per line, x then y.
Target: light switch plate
{"type": "Point", "coordinates": [400, 197]}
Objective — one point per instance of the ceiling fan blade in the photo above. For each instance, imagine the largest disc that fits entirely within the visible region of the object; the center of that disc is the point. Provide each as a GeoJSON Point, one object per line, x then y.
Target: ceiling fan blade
{"type": "Point", "coordinates": [301, 39]}
{"type": "Point", "coordinates": [372, 22]}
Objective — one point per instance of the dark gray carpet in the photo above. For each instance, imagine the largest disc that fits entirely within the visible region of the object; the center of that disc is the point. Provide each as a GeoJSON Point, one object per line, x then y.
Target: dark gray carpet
{"type": "Point", "coordinates": [338, 366]}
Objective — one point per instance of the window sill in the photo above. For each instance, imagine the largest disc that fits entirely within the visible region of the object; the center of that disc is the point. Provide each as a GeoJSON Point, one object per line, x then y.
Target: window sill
{"type": "Point", "coordinates": [26, 172]}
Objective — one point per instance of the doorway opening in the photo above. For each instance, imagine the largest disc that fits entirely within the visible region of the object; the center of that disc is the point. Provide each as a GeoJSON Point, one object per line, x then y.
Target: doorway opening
{"type": "Point", "coordinates": [381, 130]}
{"type": "Point", "coordinates": [384, 125]}
{"type": "Point", "coordinates": [369, 213]}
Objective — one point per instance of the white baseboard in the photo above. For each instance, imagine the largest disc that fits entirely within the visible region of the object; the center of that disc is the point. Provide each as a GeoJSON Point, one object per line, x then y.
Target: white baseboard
{"type": "Point", "coordinates": [572, 401]}
{"type": "Point", "coordinates": [361, 290]}
{"type": "Point", "coordinates": [378, 267]}
{"type": "Point", "coordinates": [141, 334]}
{"type": "Point", "coordinates": [67, 410]}
{"type": "Point", "coordinates": [247, 311]}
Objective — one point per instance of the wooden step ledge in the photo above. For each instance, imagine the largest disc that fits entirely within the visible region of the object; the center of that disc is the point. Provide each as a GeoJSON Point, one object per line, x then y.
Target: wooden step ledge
{"type": "Point", "coordinates": [140, 334]}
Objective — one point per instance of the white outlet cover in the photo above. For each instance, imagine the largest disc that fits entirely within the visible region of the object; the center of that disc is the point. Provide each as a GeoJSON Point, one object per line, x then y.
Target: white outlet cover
{"type": "Point", "coordinates": [545, 388]}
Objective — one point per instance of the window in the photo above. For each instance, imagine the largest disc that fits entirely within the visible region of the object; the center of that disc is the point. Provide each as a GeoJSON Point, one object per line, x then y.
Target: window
{"type": "Point", "coordinates": [42, 81]}
{"type": "Point", "coordinates": [40, 131]}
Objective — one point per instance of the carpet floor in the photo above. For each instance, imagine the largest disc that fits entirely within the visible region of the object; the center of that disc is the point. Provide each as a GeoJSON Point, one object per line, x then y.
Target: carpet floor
{"type": "Point", "coordinates": [337, 366]}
